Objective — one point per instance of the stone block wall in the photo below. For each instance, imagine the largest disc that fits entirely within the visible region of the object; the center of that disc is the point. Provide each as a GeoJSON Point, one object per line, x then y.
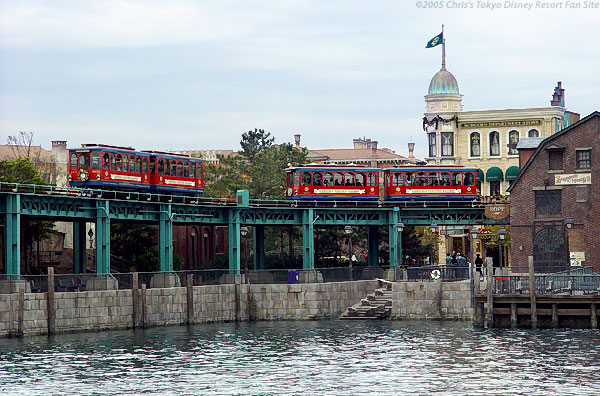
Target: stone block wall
{"type": "Point", "coordinates": [9, 308]}
{"type": "Point", "coordinates": [432, 300]}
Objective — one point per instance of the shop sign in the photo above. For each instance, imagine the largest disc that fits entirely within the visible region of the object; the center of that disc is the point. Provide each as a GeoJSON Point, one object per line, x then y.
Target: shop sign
{"type": "Point", "coordinates": [500, 123]}
{"type": "Point", "coordinates": [578, 178]}
{"type": "Point", "coordinates": [497, 212]}
{"type": "Point", "coordinates": [577, 258]}
{"type": "Point", "coordinates": [453, 232]}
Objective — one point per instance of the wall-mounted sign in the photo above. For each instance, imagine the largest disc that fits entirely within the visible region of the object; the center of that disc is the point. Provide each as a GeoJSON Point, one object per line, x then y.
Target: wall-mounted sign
{"type": "Point", "coordinates": [497, 212]}
{"type": "Point", "coordinates": [577, 178]}
{"type": "Point", "coordinates": [500, 123]}
{"type": "Point", "coordinates": [453, 232]}
{"type": "Point", "coordinates": [577, 258]}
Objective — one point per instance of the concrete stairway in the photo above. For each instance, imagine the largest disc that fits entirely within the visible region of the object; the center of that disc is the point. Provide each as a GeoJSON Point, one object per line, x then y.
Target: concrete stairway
{"type": "Point", "coordinates": [377, 305]}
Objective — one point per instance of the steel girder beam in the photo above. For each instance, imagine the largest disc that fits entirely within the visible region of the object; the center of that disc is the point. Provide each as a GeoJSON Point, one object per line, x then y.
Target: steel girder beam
{"type": "Point", "coordinates": [342, 217]}
{"type": "Point", "coordinates": [102, 237]}
{"type": "Point", "coordinates": [373, 246]}
{"type": "Point", "coordinates": [53, 206]}
{"type": "Point", "coordinates": [12, 235]}
{"type": "Point", "coordinates": [308, 239]}
{"type": "Point", "coordinates": [259, 246]}
{"type": "Point", "coordinates": [447, 216]}
{"type": "Point", "coordinates": [270, 216]}
{"type": "Point", "coordinates": [234, 241]}
{"type": "Point", "coordinates": [165, 238]}
{"type": "Point", "coordinates": [395, 247]}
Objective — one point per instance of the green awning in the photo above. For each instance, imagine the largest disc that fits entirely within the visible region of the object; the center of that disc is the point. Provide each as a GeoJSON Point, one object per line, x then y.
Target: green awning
{"type": "Point", "coordinates": [479, 175]}
{"type": "Point", "coordinates": [512, 172]}
{"type": "Point", "coordinates": [494, 174]}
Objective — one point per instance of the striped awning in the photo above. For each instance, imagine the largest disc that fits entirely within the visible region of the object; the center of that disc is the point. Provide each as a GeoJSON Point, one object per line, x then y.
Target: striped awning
{"type": "Point", "coordinates": [494, 174]}
{"type": "Point", "coordinates": [512, 172]}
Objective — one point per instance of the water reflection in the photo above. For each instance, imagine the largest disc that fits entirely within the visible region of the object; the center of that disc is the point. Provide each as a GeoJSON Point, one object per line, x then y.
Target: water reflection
{"type": "Point", "coordinates": [300, 358]}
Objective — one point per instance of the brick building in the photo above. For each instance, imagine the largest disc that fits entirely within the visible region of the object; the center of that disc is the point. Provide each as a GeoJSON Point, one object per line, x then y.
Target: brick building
{"type": "Point", "coordinates": [555, 212]}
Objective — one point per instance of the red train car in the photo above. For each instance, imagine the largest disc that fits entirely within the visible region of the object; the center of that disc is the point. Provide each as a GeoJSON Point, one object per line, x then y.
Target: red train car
{"type": "Point", "coordinates": [123, 168]}
{"type": "Point", "coordinates": [332, 182]}
{"type": "Point", "coordinates": [439, 182]}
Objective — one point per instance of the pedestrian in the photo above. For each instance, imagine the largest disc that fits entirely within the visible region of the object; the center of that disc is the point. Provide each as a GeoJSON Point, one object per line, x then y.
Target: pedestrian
{"type": "Point", "coordinates": [454, 260]}
{"type": "Point", "coordinates": [462, 264]}
{"type": "Point", "coordinates": [448, 260]}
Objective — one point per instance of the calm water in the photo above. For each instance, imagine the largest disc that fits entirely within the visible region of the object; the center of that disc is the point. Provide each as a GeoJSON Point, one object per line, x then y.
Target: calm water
{"type": "Point", "coordinates": [305, 358]}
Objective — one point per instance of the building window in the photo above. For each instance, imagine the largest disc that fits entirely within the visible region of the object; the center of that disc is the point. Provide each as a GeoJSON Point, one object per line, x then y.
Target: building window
{"type": "Point", "coordinates": [513, 139]}
{"type": "Point", "coordinates": [494, 188]}
{"type": "Point", "coordinates": [555, 160]}
{"type": "Point", "coordinates": [475, 144]}
{"type": "Point", "coordinates": [547, 203]}
{"type": "Point", "coordinates": [534, 133]}
{"type": "Point", "coordinates": [447, 144]}
{"type": "Point", "coordinates": [494, 144]}
{"type": "Point", "coordinates": [584, 159]}
{"type": "Point", "coordinates": [432, 147]}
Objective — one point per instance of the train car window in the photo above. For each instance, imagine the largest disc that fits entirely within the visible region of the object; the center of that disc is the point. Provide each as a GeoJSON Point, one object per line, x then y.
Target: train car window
{"type": "Point", "coordinates": [421, 179]}
{"type": "Point", "coordinates": [433, 179]}
{"type": "Point", "coordinates": [338, 179]}
{"type": "Point", "coordinates": [119, 162]}
{"type": "Point", "coordinates": [152, 165]}
{"type": "Point", "coordinates": [372, 179]}
{"type": "Point", "coordinates": [306, 179]}
{"type": "Point", "coordinates": [186, 169]}
{"type": "Point", "coordinates": [179, 169]}
{"type": "Point", "coordinates": [469, 179]}
{"type": "Point", "coordinates": [132, 161]}
{"type": "Point", "coordinates": [328, 179]}
{"type": "Point", "coordinates": [125, 163]}
{"type": "Point", "coordinates": [201, 171]}
{"type": "Point", "coordinates": [445, 179]}
{"type": "Point", "coordinates": [84, 161]}
{"type": "Point", "coordinates": [161, 167]}
{"type": "Point", "coordinates": [138, 164]}
{"type": "Point", "coordinates": [145, 165]}
{"type": "Point", "coordinates": [193, 170]}
{"type": "Point", "coordinates": [360, 179]}
{"type": "Point", "coordinates": [317, 179]}
{"type": "Point", "coordinates": [173, 168]}
{"type": "Point", "coordinates": [106, 161]}
{"type": "Point", "coordinates": [96, 160]}
{"type": "Point", "coordinates": [457, 179]}
{"type": "Point", "coordinates": [113, 162]}
{"type": "Point", "coordinates": [296, 178]}
{"type": "Point", "coordinates": [397, 179]}
{"type": "Point", "coordinates": [288, 178]}
{"type": "Point", "coordinates": [73, 161]}
{"type": "Point", "coordinates": [349, 176]}
{"type": "Point", "coordinates": [167, 170]}
{"type": "Point", "coordinates": [410, 179]}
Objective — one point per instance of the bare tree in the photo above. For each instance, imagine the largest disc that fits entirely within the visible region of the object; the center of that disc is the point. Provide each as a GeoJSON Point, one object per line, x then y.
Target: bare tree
{"type": "Point", "coordinates": [44, 163]}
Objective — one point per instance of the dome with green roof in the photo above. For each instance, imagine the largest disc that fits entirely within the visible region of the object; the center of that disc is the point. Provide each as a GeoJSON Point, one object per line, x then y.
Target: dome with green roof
{"type": "Point", "coordinates": [443, 82]}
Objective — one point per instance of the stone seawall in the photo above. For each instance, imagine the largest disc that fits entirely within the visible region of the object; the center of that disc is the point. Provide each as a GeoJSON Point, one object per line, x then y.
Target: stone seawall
{"type": "Point", "coordinates": [27, 313]}
{"type": "Point", "coordinates": [432, 300]}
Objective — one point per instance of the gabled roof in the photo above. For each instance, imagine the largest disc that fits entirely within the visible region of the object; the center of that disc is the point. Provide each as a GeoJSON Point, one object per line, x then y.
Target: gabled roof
{"type": "Point", "coordinates": [355, 154]}
{"type": "Point", "coordinates": [550, 140]}
{"type": "Point", "coordinates": [529, 143]}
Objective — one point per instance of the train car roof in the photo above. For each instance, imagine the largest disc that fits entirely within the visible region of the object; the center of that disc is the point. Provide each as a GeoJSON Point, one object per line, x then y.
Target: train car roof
{"type": "Point", "coordinates": [91, 146]}
{"type": "Point", "coordinates": [174, 155]}
{"type": "Point", "coordinates": [333, 167]}
{"type": "Point", "coordinates": [399, 168]}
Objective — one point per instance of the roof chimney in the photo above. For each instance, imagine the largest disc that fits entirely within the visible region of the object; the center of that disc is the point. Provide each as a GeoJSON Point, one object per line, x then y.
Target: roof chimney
{"type": "Point", "coordinates": [411, 150]}
{"type": "Point", "coordinates": [297, 139]}
{"type": "Point", "coordinates": [558, 97]}
{"type": "Point", "coordinates": [374, 145]}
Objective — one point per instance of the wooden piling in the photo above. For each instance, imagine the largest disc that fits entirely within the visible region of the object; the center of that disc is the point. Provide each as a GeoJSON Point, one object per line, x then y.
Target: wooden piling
{"type": "Point", "coordinates": [532, 293]}
{"type": "Point", "coordinates": [143, 306]}
{"type": "Point", "coordinates": [594, 317]}
{"type": "Point", "coordinates": [135, 294]}
{"type": "Point", "coordinates": [490, 294]}
{"type": "Point", "coordinates": [554, 315]}
{"type": "Point", "coordinates": [513, 315]}
{"type": "Point", "coordinates": [189, 284]}
{"type": "Point", "coordinates": [50, 300]}
{"type": "Point", "coordinates": [21, 311]}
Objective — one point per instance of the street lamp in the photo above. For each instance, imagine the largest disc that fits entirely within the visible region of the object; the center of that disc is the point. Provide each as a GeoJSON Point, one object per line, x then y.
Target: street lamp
{"type": "Point", "coordinates": [400, 228]}
{"type": "Point", "coordinates": [193, 236]}
{"type": "Point", "coordinates": [502, 236]}
{"type": "Point", "coordinates": [433, 227]}
{"type": "Point", "coordinates": [569, 223]}
{"type": "Point", "coordinates": [91, 235]}
{"type": "Point", "coordinates": [244, 232]}
{"type": "Point", "coordinates": [348, 230]}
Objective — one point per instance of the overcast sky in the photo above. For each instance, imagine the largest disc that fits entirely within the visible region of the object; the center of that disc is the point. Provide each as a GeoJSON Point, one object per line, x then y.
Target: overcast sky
{"type": "Point", "coordinates": [197, 74]}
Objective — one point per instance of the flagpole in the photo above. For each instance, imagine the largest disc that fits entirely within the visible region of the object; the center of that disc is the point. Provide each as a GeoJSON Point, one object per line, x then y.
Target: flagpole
{"type": "Point", "coordinates": [443, 49]}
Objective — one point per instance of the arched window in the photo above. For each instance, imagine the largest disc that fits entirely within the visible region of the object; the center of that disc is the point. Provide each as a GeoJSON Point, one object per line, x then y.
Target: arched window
{"type": "Point", "coordinates": [328, 179]}
{"type": "Point", "coordinates": [132, 163]}
{"type": "Point", "coordinates": [167, 171]}
{"type": "Point", "coordinates": [372, 179]}
{"type": "Point", "coordinates": [317, 179]}
{"type": "Point", "coordinates": [513, 139]}
{"type": "Point", "coordinates": [200, 171]}
{"type": "Point", "coordinates": [145, 165]}
{"type": "Point", "coordinates": [173, 168]}
{"type": "Point", "coordinates": [349, 176]}
{"type": "Point", "coordinates": [113, 162]}
{"type": "Point", "coordinates": [445, 179]}
{"type": "Point", "coordinates": [152, 165]}
{"type": "Point", "coordinates": [338, 179]}
{"type": "Point", "coordinates": [421, 179]}
{"type": "Point", "coordinates": [410, 179]}
{"type": "Point", "coordinates": [74, 162]}
{"type": "Point", "coordinates": [475, 144]}
{"type": "Point", "coordinates": [494, 144]}
{"type": "Point", "coordinates": [469, 179]}
{"type": "Point", "coordinates": [433, 179]}
{"type": "Point", "coordinates": [138, 164]}
{"type": "Point", "coordinates": [119, 162]}
{"type": "Point", "coordinates": [193, 170]}
{"type": "Point", "coordinates": [360, 180]}
{"type": "Point", "coordinates": [457, 179]}
{"type": "Point", "coordinates": [161, 167]}
{"type": "Point", "coordinates": [125, 162]}
{"type": "Point", "coordinates": [96, 160]}
{"type": "Point", "coordinates": [533, 133]}
{"type": "Point", "coordinates": [398, 179]}
{"type": "Point", "coordinates": [186, 169]}
{"type": "Point", "coordinates": [306, 179]}
{"type": "Point", "coordinates": [106, 161]}
{"type": "Point", "coordinates": [84, 161]}
{"type": "Point", "coordinates": [179, 169]}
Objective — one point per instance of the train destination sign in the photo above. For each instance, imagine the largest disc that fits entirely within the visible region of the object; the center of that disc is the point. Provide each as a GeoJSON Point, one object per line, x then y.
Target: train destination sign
{"type": "Point", "coordinates": [500, 123]}
{"type": "Point", "coordinates": [577, 178]}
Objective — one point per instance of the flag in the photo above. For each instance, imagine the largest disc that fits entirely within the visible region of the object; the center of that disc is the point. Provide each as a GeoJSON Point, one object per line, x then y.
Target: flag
{"type": "Point", "coordinates": [437, 40]}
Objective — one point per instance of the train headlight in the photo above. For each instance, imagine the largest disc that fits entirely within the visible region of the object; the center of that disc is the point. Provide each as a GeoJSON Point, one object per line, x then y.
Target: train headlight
{"type": "Point", "coordinates": [69, 178]}
{"type": "Point", "coordinates": [98, 177]}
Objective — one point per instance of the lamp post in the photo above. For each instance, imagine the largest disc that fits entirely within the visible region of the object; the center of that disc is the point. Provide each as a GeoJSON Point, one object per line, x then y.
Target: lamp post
{"type": "Point", "coordinates": [400, 228]}
{"type": "Point", "coordinates": [474, 233]}
{"type": "Point", "coordinates": [193, 236]}
{"type": "Point", "coordinates": [569, 224]}
{"type": "Point", "coordinates": [433, 227]}
{"type": "Point", "coordinates": [91, 235]}
{"type": "Point", "coordinates": [348, 230]}
{"type": "Point", "coordinates": [244, 232]}
{"type": "Point", "coordinates": [502, 236]}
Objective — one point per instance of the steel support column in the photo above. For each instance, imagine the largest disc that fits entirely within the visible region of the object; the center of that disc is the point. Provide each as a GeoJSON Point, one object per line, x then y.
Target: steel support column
{"type": "Point", "coordinates": [102, 237]}
{"type": "Point", "coordinates": [259, 246]}
{"type": "Point", "coordinates": [79, 251]}
{"type": "Point", "coordinates": [12, 235]}
{"type": "Point", "coordinates": [234, 242]}
{"type": "Point", "coordinates": [165, 238]}
{"type": "Point", "coordinates": [373, 246]}
{"type": "Point", "coordinates": [308, 239]}
{"type": "Point", "coordinates": [395, 248]}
